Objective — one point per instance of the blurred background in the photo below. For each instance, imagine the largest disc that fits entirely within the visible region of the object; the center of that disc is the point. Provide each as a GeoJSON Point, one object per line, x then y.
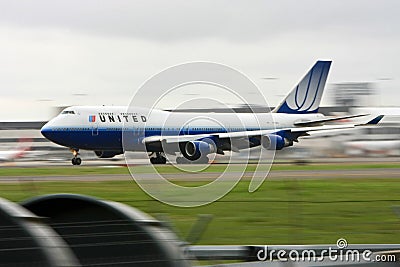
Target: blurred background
{"type": "Point", "coordinates": [22, 143]}
{"type": "Point", "coordinates": [63, 53]}
{"type": "Point", "coordinates": [55, 54]}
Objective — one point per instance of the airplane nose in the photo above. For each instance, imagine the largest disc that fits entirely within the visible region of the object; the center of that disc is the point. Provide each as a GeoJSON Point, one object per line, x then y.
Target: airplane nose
{"type": "Point", "coordinates": [52, 133]}
{"type": "Point", "coordinates": [46, 131]}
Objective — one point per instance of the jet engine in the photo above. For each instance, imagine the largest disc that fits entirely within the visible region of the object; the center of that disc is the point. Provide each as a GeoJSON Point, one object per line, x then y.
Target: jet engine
{"type": "Point", "coordinates": [275, 142]}
{"type": "Point", "coordinates": [193, 150]}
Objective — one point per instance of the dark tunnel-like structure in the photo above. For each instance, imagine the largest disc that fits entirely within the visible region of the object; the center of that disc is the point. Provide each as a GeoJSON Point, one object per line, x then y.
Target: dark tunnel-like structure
{"type": "Point", "coordinates": [77, 230]}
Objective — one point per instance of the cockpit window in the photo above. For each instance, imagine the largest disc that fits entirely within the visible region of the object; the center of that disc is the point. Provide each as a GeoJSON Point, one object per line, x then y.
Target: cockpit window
{"type": "Point", "coordinates": [68, 112]}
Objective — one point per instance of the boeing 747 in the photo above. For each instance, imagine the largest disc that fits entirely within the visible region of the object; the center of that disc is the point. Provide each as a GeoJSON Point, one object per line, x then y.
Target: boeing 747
{"type": "Point", "coordinates": [103, 128]}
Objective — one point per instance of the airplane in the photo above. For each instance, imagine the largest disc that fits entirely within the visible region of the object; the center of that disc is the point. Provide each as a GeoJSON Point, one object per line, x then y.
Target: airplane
{"type": "Point", "coordinates": [106, 129]}
{"type": "Point", "coordinates": [373, 147]}
{"type": "Point", "coordinates": [19, 152]}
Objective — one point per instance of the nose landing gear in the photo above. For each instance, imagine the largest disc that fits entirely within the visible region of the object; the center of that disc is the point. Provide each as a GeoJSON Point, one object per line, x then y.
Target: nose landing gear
{"type": "Point", "coordinates": [76, 160]}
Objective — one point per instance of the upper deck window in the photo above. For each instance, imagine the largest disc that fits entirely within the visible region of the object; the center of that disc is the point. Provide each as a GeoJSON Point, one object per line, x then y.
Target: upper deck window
{"type": "Point", "coordinates": [68, 112]}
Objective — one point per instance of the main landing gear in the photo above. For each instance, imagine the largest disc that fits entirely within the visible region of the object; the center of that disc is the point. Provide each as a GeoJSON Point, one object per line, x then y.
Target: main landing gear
{"type": "Point", "coordinates": [76, 160]}
{"type": "Point", "coordinates": [158, 159]}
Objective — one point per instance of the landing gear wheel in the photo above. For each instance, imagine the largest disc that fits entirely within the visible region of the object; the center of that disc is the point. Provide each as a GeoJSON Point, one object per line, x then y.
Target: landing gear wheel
{"type": "Point", "coordinates": [163, 160]}
{"type": "Point", "coordinates": [159, 159]}
{"type": "Point", "coordinates": [76, 161]}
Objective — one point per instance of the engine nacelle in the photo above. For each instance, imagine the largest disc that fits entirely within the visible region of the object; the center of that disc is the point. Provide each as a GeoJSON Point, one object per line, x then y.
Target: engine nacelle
{"type": "Point", "coordinates": [195, 149]}
{"type": "Point", "coordinates": [107, 154]}
{"type": "Point", "coordinates": [274, 142]}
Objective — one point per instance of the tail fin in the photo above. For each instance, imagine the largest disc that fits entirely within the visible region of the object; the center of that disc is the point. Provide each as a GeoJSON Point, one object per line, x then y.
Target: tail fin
{"type": "Point", "coordinates": [306, 96]}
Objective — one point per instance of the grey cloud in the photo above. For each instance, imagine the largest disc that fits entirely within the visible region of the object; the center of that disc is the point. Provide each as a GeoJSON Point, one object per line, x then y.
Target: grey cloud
{"type": "Point", "coordinates": [244, 21]}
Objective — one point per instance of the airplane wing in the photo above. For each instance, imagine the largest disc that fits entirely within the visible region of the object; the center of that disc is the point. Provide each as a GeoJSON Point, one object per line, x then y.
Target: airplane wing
{"type": "Point", "coordinates": [174, 138]}
{"type": "Point", "coordinates": [319, 122]}
{"type": "Point", "coordinates": [250, 138]}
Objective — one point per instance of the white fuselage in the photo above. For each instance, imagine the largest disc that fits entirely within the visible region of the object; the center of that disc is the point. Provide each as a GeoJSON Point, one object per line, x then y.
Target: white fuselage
{"type": "Point", "coordinates": [100, 127]}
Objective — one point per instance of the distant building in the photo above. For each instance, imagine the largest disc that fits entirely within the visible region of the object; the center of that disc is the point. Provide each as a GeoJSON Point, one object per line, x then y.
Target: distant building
{"type": "Point", "coordinates": [353, 94]}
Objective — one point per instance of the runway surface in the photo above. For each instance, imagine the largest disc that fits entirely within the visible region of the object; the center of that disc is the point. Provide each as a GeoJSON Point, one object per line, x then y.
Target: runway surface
{"type": "Point", "coordinates": [95, 162]}
{"type": "Point", "coordinates": [205, 176]}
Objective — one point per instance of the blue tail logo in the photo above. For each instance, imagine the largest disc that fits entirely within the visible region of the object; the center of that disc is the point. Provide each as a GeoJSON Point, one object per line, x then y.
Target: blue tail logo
{"type": "Point", "coordinates": [306, 96]}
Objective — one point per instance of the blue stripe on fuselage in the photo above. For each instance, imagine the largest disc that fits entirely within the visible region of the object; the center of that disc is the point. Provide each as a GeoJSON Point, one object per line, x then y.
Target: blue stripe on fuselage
{"type": "Point", "coordinates": [111, 139]}
{"type": "Point", "coordinates": [85, 139]}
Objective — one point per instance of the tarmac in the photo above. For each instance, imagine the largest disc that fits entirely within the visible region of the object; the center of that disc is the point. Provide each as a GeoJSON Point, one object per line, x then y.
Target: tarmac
{"type": "Point", "coordinates": [208, 176]}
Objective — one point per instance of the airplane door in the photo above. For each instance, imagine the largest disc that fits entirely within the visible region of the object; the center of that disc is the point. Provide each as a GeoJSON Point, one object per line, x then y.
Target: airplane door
{"type": "Point", "coordinates": [95, 129]}
{"type": "Point", "coordinates": [187, 128]}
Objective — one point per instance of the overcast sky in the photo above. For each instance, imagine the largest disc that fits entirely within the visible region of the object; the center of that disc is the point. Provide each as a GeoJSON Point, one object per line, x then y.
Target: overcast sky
{"type": "Point", "coordinates": [93, 52]}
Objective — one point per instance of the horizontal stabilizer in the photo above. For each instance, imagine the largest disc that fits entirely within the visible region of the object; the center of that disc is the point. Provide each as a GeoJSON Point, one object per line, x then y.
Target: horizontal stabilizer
{"type": "Point", "coordinates": [375, 120]}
